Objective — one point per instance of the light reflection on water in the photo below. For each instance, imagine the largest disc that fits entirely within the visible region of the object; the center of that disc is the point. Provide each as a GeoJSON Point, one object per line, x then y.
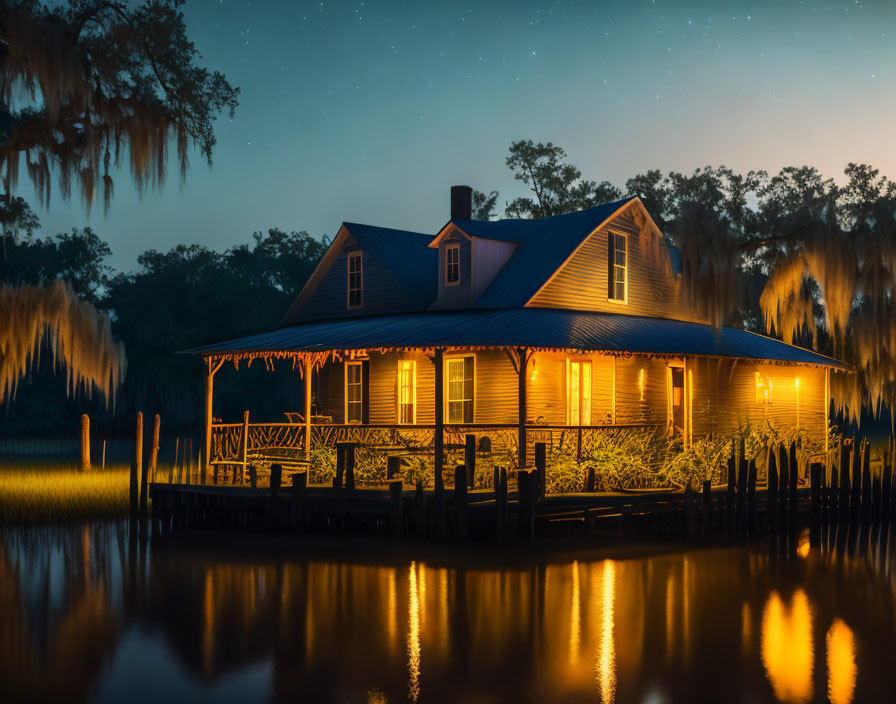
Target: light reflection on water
{"type": "Point", "coordinates": [89, 614]}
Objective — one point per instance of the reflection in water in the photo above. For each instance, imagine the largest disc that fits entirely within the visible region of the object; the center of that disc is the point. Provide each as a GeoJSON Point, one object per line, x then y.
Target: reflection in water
{"type": "Point", "coordinates": [606, 649]}
{"type": "Point", "coordinates": [841, 663]}
{"type": "Point", "coordinates": [80, 612]}
{"type": "Point", "coordinates": [787, 646]}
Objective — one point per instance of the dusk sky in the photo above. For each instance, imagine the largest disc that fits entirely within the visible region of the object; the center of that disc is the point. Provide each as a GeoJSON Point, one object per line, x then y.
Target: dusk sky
{"type": "Point", "coordinates": [370, 111]}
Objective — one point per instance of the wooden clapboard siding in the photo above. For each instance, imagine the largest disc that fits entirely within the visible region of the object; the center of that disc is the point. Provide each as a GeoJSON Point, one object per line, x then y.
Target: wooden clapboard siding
{"type": "Point", "coordinates": [488, 258]}
{"type": "Point", "coordinates": [381, 292]}
{"type": "Point", "coordinates": [725, 396]}
{"type": "Point", "coordinates": [496, 388]}
{"type": "Point", "coordinates": [582, 282]}
{"type": "Point", "coordinates": [546, 390]}
{"type": "Point", "coordinates": [630, 408]}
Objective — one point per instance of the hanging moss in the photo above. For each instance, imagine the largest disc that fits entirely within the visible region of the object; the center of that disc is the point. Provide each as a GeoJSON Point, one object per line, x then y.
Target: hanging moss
{"type": "Point", "coordinates": [79, 338]}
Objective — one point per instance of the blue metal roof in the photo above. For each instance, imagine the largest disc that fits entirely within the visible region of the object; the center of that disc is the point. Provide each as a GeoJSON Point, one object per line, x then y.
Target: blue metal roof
{"type": "Point", "coordinates": [544, 245]}
{"type": "Point", "coordinates": [405, 254]}
{"type": "Point", "coordinates": [523, 327]}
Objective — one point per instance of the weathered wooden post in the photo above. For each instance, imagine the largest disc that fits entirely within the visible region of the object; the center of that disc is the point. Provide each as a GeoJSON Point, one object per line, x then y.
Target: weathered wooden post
{"type": "Point", "coordinates": [253, 476]}
{"type": "Point", "coordinates": [522, 359]}
{"type": "Point", "coordinates": [340, 465]}
{"type": "Point", "coordinates": [104, 455]}
{"type": "Point", "coordinates": [460, 501]}
{"type": "Point", "coordinates": [845, 463]}
{"type": "Point", "coordinates": [136, 464]}
{"type": "Point", "coordinates": [85, 443]}
{"type": "Point", "coordinates": [751, 497]}
{"type": "Point", "coordinates": [396, 498]}
{"type": "Point", "coordinates": [297, 499]}
{"type": "Point", "coordinates": [866, 483]}
{"type": "Point", "coordinates": [393, 467]}
{"type": "Point", "coordinates": [730, 495]}
{"type": "Point", "coordinates": [793, 498]}
{"type": "Point", "coordinates": [501, 504]}
{"type": "Point", "coordinates": [886, 491]}
{"type": "Point", "coordinates": [470, 459]}
{"type": "Point", "coordinates": [833, 495]}
{"type": "Point", "coordinates": [144, 475]}
{"type": "Point", "coordinates": [276, 477]}
{"type": "Point", "coordinates": [707, 506]}
{"type": "Point", "coordinates": [541, 458]}
{"type": "Point", "coordinates": [771, 510]}
{"type": "Point", "coordinates": [525, 504]}
{"type": "Point", "coordinates": [441, 508]}
{"type": "Point", "coordinates": [876, 491]}
{"type": "Point", "coordinates": [419, 510]}
{"type": "Point", "coordinates": [690, 511]}
{"type": "Point", "coordinates": [154, 452]}
{"type": "Point", "coordinates": [815, 494]}
{"type": "Point", "coordinates": [350, 465]}
{"type": "Point", "coordinates": [855, 498]}
{"type": "Point", "coordinates": [590, 479]}
{"type": "Point", "coordinates": [783, 484]}
{"type": "Point", "coordinates": [742, 488]}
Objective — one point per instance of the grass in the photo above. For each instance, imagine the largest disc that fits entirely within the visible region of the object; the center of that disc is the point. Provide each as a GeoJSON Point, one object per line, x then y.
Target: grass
{"type": "Point", "coordinates": [44, 491]}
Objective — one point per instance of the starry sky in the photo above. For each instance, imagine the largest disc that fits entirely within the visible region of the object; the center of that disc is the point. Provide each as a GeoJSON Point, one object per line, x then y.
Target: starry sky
{"type": "Point", "coordinates": [370, 111]}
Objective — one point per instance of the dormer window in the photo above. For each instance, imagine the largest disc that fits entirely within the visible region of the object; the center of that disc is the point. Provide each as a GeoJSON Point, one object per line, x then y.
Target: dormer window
{"type": "Point", "coordinates": [452, 264]}
{"type": "Point", "coordinates": [355, 298]}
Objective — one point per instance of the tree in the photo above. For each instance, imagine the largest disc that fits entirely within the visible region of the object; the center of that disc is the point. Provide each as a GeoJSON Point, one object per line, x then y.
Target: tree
{"type": "Point", "coordinates": [484, 205]}
{"type": "Point", "coordinates": [557, 186]}
{"type": "Point", "coordinates": [95, 79]}
{"type": "Point", "coordinates": [16, 216]}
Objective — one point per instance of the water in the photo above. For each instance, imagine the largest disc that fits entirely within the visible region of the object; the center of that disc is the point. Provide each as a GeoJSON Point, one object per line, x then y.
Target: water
{"type": "Point", "coordinates": [88, 614]}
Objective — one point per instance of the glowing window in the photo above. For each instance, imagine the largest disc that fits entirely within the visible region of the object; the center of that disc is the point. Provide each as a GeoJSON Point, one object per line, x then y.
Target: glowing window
{"type": "Point", "coordinates": [353, 393]}
{"type": "Point", "coordinates": [578, 393]}
{"type": "Point", "coordinates": [618, 270]}
{"type": "Point", "coordinates": [355, 280]}
{"type": "Point", "coordinates": [407, 391]}
{"type": "Point", "coordinates": [452, 264]}
{"type": "Point", "coordinates": [459, 374]}
{"type": "Point", "coordinates": [763, 389]}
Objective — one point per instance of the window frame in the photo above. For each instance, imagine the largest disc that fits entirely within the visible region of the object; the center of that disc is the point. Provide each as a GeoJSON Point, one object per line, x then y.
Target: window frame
{"type": "Point", "coordinates": [413, 390]}
{"type": "Point", "coordinates": [360, 401]}
{"type": "Point", "coordinates": [582, 364]}
{"type": "Point", "coordinates": [764, 389]}
{"type": "Point", "coordinates": [452, 247]}
{"type": "Point", "coordinates": [357, 255]}
{"type": "Point", "coordinates": [447, 388]}
{"type": "Point", "coordinates": [611, 275]}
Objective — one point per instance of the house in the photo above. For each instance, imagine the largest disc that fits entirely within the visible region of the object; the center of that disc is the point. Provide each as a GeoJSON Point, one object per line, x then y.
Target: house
{"type": "Point", "coordinates": [519, 328]}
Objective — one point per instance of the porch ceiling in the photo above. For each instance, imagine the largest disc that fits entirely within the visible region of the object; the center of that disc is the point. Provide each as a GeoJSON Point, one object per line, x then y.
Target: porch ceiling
{"type": "Point", "coordinates": [537, 328]}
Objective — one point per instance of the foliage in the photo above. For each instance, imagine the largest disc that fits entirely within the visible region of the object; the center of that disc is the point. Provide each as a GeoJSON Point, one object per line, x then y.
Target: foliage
{"type": "Point", "coordinates": [484, 205]}
{"type": "Point", "coordinates": [79, 338]}
{"type": "Point", "coordinates": [58, 492]}
{"type": "Point", "coordinates": [557, 186]}
{"type": "Point", "coordinates": [96, 80]}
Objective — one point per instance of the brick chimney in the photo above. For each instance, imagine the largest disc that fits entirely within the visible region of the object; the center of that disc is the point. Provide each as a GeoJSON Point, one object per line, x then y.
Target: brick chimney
{"type": "Point", "coordinates": [461, 203]}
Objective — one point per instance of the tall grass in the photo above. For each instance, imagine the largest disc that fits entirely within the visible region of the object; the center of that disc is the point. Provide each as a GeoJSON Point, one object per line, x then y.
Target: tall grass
{"type": "Point", "coordinates": [40, 491]}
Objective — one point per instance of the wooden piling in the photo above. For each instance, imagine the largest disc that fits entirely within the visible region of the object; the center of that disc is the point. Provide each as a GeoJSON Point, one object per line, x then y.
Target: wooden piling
{"type": "Point", "coordinates": [866, 483]}
{"type": "Point", "coordinates": [783, 487]}
{"type": "Point", "coordinates": [707, 507]}
{"type": "Point", "coordinates": [460, 501]}
{"type": "Point", "coordinates": [541, 459]}
{"type": "Point", "coordinates": [815, 495]}
{"type": "Point", "coordinates": [340, 465]}
{"type": "Point", "coordinates": [470, 459]}
{"type": "Point", "coordinates": [253, 476]}
{"type": "Point", "coordinates": [855, 497]}
{"type": "Point", "coordinates": [793, 497]}
{"type": "Point", "coordinates": [419, 510]}
{"type": "Point", "coordinates": [297, 499]}
{"type": "Point", "coordinates": [771, 511]}
{"type": "Point", "coordinates": [589, 479]}
{"type": "Point", "coordinates": [396, 499]}
{"type": "Point", "coordinates": [85, 443]}
{"type": "Point", "coordinates": [525, 504]}
{"type": "Point", "coordinates": [751, 498]}
{"type": "Point", "coordinates": [350, 465]}
{"type": "Point", "coordinates": [742, 489]}
{"type": "Point", "coordinates": [273, 506]}
{"type": "Point", "coordinates": [845, 474]}
{"type": "Point", "coordinates": [730, 494]}
{"type": "Point", "coordinates": [154, 451]}
{"type": "Point", "coordinates": [136, 465]}
{"type": "Point", "coordinates": [886, 491]}
{"type": "Point", "coordinates": [441, 510]}
{"type": "Point", "coordinates": [689, 510]}
{"type": "Point", "coordinates": [833, 496]}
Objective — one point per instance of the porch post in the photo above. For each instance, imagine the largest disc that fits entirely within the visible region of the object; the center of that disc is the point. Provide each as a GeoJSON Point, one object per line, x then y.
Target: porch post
{"type": "Point", "coordinates": [437, 358]}
{"type": "Point", "coordinates": [209, 391]}
{"type": "Point", "coordinates": [522, 361]}
{"type": "Point", "coordinates": [307, 373]}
